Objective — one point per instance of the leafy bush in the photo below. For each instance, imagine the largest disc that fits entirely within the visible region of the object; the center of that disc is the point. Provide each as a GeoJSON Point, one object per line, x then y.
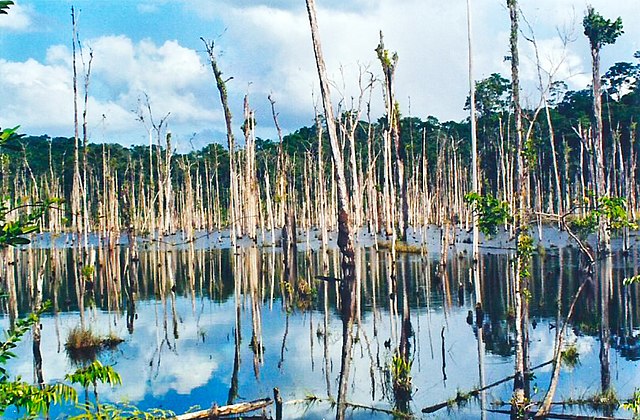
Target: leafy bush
{"type": "Point", "coordinates": [491, 211]}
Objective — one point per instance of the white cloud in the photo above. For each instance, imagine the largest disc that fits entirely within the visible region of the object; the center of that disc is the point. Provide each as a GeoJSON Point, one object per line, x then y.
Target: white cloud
{"type": "Point", "coordinates": [430, 71]}
{"type": "Point", "coordinates": [267, 49]}
{"type": "Point", "coordinates": [268, 44]}
{"type": "Point", "coordinates": [18, 19]}
{"type": "Point", "coordinates": [171, 75]}
{"type": "Point", "coordinates": [41, 95]}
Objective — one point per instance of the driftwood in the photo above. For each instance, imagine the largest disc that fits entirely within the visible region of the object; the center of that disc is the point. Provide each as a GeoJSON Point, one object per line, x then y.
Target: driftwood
{"type": "Point", "coordinates": [461, 397]}
{"type": "Point", "coordinates": [226, 410]}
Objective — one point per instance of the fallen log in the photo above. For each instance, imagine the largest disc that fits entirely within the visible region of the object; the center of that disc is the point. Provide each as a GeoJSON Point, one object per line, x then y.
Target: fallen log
{"type": "Point", "coordinates": [226, 410]}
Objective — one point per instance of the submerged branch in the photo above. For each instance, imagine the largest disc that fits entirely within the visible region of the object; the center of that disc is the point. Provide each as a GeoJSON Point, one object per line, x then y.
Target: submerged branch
{"type": "Point", "coordinates": [313, 399]}
{"type": "Point", "coordinates": [556, 415]}
{"type": "Point", "coordinates": [460, 397]}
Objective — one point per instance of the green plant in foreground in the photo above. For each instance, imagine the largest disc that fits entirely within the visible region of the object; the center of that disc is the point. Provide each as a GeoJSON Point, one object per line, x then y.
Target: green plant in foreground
{"type": "Point", "coordinates": [633, 404]}
{"type": "Point", "coordinates": [94, 373]}
{"type": "Point", "coordinates": [19, 394]}
{"type": "Point", "coordinates": [119, 411]}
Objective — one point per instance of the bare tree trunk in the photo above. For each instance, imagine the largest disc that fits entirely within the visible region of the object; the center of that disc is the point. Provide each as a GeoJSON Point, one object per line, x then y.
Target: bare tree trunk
{"type": "Point", "coordinates": [252, 196]}
{"type": "Point", "coordinates": [322, 189]}
{"type": "Point", "coordinates": [345, 234]}
{"type": "Point", "coordinates": [85, 192]}
{"type": "Point", "coordinates": [388, 64]}
{"type": "Point", "coordinates": [602, 190]}
{"type": "Point", "coordinates": [76, 218]}
{"type": "Point", "coordinates": [222, 88]}
{"type": "Point", "coordinates": [521, 224]}
{"type": "Point", "coordinates": [474, 140]}
{"type": "Point", "coordinates": [168, 190]}
{"type": "Point", "coordinates": [556, 172]}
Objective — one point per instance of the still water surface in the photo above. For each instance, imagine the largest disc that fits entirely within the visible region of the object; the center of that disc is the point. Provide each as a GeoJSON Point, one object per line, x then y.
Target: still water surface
{"type": "Point", "coordinates": [207, 325]}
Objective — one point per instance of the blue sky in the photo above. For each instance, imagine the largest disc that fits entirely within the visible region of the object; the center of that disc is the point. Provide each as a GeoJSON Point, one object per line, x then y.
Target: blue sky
{"type": "Point", "coordinates": [153, 47]}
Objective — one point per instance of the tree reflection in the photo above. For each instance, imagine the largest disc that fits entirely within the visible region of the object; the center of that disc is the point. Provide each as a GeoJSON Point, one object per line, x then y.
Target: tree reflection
{"type": "Point", "coordinates": [383, 360]}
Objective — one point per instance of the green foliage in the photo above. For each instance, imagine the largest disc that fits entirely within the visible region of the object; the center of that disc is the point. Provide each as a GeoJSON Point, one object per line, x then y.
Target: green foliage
{"type": "Point", "coordinates": [87, 271]}
{"type": "Point", "coordinates": [401, 373]}
{"type": "Point", "coordinates": [613, 209]}
{"type": "Point", "coordinates": [19, 394]}
{"type": "Point", "coordinates": [530, 150]}
{"type": "Point", "coordinates": [94, 373]}
{"type": "Point", "coordinates": [621, 77]}
{"type": "Point", "coordinates": [630, 280]}
{"type": "Point", "coordinates": [525, 251]}
{"type": "Point", "coordinates": [492, 95]}
{"type": "Point", "coordinates": [13, 337]}
{"type": "Point", "coordinates": [32, 399]}
{"type": "Point", "coordinates": [633, 404]}
{"type": "Point", "coordinates": [570, 356]}
{"type": "Point", "coordinates": [4, 6]}
{"type": "Point", "coordinates": [599, 30]}
{"type": "Point", "coordinates": [9, 135]}
{"type": "Point", "coordinates": [491, 211]}
{"type": "Point", "coordinates": [119, 411]}
{"type": "Point", "coordinates": [388, 61]}
{"type": "Point", "coordinates": [585, 225]}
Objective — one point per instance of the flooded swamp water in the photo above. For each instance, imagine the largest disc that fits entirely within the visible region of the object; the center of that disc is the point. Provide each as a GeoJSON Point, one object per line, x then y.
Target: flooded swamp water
{"type": "Point", "coordinates": [203, 324]}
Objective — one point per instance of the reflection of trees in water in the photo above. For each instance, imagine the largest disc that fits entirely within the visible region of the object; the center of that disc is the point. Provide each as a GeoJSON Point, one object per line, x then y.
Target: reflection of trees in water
{"type": "Point", "coordinates": [193, 273]}
{"type": "Point", "coordinates": [605, 266]}
{"type": "Point", "coordinates": [378, 318]}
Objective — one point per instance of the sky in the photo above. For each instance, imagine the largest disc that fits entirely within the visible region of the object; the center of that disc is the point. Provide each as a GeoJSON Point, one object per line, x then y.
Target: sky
{"type": "Point", "coordinates": [152, 49]}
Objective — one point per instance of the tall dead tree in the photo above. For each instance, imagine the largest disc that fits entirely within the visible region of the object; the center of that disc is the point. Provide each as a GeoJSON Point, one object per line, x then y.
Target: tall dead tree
{"type": "Point", "coordinates": [345, 233]}
{"type": "Point", "coordinates": [474, 138]}
{"type": "Point", "coordinates": [388, 62]}
{"type": "Point", "coordinates": [251, 196]}
{"type": "Point", "coordinates": [234, 213]}
{"type": "Point", "coordinates": [521, 221]}
{"type": "Point", "coordinates": [76, 200]}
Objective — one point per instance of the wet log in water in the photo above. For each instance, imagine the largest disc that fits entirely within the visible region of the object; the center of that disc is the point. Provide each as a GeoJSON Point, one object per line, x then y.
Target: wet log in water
{"type": "Point", "coordinates": [226, 410]}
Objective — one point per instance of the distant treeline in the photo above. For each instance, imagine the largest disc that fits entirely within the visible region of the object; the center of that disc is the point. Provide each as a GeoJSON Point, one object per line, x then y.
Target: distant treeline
{"type": "Point", "coordinates": [128, 186]}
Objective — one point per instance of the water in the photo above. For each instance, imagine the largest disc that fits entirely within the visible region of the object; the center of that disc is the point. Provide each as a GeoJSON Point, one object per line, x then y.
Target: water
{"type": "Point", "coordinates": [207, 325]}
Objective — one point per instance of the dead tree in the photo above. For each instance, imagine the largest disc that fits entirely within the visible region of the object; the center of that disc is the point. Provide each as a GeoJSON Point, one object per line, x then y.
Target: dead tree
{"type": "Point", "coordinates": [345, 233]}
{"type": "Point", "coordinates": [234, 213]}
